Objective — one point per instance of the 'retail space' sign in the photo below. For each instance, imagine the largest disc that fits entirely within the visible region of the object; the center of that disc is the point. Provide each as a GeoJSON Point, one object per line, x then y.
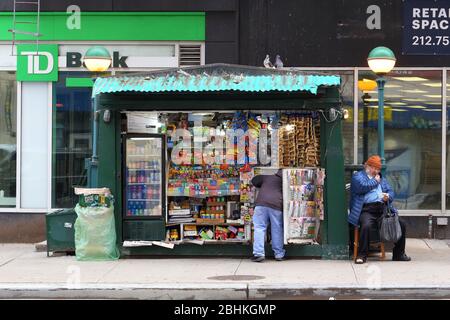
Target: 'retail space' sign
{"type": "Point", "coordinates": [426, 27]}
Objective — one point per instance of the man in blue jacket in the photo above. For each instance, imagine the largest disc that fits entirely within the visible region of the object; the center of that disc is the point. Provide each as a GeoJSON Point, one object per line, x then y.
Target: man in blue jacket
{"type": "Point", "coordinates": [369, 194]}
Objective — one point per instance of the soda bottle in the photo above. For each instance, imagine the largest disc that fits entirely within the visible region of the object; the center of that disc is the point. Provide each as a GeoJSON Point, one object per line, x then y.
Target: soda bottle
{"type": "Point", "coordinates": [144, 176]}
{"type": "Point", "coordinates": [144, 191]}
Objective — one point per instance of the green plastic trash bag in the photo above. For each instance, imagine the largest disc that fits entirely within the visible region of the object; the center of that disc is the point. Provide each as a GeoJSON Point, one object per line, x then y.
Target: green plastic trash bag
{"type": "Point", "coordinates": [95, 233]}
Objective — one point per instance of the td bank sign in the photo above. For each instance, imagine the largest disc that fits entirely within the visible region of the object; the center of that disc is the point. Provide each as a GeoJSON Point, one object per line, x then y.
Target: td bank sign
{"type": "Point", "coordinates": [37, 63]}
{"type": "Point", "coordinates": [40, 63]}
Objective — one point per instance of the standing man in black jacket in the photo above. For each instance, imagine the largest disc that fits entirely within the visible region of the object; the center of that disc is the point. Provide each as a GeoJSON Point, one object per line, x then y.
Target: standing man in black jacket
{"type": "Point", "coordinates": [269, 208]}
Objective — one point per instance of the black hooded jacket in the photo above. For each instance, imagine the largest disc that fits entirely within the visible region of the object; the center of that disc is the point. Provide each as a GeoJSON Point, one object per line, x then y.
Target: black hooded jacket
{"type": "Point", "coordinates": [271, 190]}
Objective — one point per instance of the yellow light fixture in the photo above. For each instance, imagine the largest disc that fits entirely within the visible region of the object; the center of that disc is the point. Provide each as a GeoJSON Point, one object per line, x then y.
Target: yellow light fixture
{"type": "Point", "coordinates": [376, 107]}
{"type": "Point", "coordinates": [433, 110]}
{"type": "Point", "coordinates": [432, 84]}
{"type": "Point", "coordinates": [398, 103]}
{"type": "Point", "coordinates": [366, 85]}
{"type": "Point", "coordinates": [399, 110]}
{"type": "Point", "coordinates": [414, 99]}
{"type": "Point", "coordinates": [410, 79]}
{"type": "Point", "coordinates": [434, 96]}
{"type": "Point", "coordinates": [371, 100]}
{"type": "Point", "coordinates": [345, 114]}
{"type": "Point", "coordinates": [415, 107]}
{"type": "Point", "coordinates": [414, 91]}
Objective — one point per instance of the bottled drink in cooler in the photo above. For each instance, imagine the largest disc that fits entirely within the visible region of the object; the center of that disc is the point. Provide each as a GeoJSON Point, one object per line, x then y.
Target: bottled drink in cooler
{"type": "Point", "coordinates": [144, 192]}
{"type": "Point", "coordinates": [131, 205]}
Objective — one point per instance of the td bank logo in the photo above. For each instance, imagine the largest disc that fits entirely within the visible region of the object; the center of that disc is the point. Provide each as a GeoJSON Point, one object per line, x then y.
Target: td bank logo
{"type": "Point", "coordinates": [37, 63]}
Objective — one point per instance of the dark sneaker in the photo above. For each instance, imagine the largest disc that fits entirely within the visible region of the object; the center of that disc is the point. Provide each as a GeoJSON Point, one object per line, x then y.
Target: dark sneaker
{"type": "Point", "coordinates": [360, 260]}
{"type": "Point", "coordinates": [280, 258]}
{"type": "Point", "coordinates": [403, 257]}
{"type": "Point", "coordinates": [257, 258]}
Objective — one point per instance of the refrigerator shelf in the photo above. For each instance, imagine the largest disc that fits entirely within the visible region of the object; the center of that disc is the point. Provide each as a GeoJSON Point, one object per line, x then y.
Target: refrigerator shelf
{"type": "Point", "coordinates": [144, 200]}
{"type": "Point", "coordinates": [144, 183]}
{"type": "Point", "coordinates": [143, 155]}
{"type": "Point", "coordinates": [156, 170]}
{"type": "Point", "coordinates": [170, 194]}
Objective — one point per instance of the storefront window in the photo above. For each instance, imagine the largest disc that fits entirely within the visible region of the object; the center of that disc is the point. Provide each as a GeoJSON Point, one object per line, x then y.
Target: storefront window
{"type": "Point", "coordinates": [72, 141]}
{"type": "Point", "coordinates": [413, 106]}
{"type": "Point", "coordinates": [347, 96]}
{"type": "Point", "coordinates": [8, 133]}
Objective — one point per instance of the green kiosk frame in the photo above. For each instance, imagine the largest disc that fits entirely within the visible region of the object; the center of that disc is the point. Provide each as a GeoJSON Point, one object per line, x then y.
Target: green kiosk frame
{"type": "Point", "coordinates": [220, 87]}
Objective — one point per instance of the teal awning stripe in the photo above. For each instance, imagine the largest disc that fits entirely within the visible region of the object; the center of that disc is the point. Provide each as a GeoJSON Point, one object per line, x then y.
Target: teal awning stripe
{"type": "Point", "coordinates": [206, 83]}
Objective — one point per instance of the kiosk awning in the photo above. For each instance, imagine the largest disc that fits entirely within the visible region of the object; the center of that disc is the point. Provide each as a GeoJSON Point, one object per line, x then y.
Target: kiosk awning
{"type": "Point", "coordinates": [216, 78]}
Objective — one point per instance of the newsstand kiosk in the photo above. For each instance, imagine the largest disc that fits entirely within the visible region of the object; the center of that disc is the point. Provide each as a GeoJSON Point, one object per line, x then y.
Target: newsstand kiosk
{"type": "Point", "coordinates": [178, 148]}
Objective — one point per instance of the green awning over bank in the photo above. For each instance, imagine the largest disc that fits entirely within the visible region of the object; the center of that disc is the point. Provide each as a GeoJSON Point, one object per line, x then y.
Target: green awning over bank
{"type": "Point", "coordinates": [216, 78]}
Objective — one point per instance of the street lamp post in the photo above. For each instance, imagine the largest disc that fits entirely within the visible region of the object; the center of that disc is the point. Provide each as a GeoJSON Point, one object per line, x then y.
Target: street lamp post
{"type": "Point", "coordinates": [96, 59]}
{"type": "Point", "coordinates": [366, 85]}
{"type": "Point", "coordinates": [381, 61]}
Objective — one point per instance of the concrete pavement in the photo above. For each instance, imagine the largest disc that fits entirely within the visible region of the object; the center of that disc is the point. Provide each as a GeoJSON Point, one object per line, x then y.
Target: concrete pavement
{"type": "Point", "coordinates": [25, 273]}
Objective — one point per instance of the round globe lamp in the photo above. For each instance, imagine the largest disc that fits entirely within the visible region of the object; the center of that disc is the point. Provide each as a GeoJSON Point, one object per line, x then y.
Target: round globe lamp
{"type": "Point", "coordinates": [381, 60]}
{"type": "Point", "coordinates": [97, 59]}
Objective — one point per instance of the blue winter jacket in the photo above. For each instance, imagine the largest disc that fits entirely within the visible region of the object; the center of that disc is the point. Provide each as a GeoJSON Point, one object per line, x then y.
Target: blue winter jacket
{"type": "Point", "coordinates": [361, 184]}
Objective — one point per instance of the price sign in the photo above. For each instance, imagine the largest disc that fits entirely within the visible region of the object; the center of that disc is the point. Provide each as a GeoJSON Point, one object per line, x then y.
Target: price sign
{"type": "Point", "coordinates": [426, 27]}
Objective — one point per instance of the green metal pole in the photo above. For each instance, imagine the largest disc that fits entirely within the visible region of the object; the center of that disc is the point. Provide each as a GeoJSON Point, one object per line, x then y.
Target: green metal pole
{"type": "Point", "coordinates": [380, 82]}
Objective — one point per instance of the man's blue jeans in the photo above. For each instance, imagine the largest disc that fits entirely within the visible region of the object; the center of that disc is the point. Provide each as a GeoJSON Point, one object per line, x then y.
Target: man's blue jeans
{"type": "Point", "coordinates": [261, 218]}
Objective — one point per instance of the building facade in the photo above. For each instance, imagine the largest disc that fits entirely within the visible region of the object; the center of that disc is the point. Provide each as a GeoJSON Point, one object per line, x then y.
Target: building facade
{"type": "Point", "coordinates": [45, 122]}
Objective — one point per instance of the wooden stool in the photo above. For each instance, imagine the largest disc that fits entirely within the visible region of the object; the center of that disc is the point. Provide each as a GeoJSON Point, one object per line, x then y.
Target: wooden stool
{"type": "Point", "coordinates": [378, 244]}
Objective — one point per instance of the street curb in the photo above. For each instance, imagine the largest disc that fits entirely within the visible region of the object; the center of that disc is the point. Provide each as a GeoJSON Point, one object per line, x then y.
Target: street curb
{"type": "Point", "coordinates": [336, 292]}
{"type": "Point", "coordinates": [164, 291]}
{"type": "Point", "coordinates": [217, 291]}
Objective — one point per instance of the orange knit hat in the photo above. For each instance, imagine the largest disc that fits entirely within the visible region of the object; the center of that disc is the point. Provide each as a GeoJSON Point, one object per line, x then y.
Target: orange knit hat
{"type": "Point", "coordinates": [374, 161]}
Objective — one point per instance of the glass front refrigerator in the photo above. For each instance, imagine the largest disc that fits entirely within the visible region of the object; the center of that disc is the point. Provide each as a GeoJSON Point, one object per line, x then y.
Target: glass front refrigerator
{"type": "Point", "coordinates": [144, 177]}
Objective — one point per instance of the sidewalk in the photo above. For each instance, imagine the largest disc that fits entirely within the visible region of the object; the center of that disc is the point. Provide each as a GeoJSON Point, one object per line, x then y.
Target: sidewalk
{"type": "Point", "coordinates": [25, 273]}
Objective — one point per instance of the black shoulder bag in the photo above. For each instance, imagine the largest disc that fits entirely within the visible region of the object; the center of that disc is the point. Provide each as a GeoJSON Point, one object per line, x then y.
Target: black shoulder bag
{"type": "Point", "coordinates": [390, 230]}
